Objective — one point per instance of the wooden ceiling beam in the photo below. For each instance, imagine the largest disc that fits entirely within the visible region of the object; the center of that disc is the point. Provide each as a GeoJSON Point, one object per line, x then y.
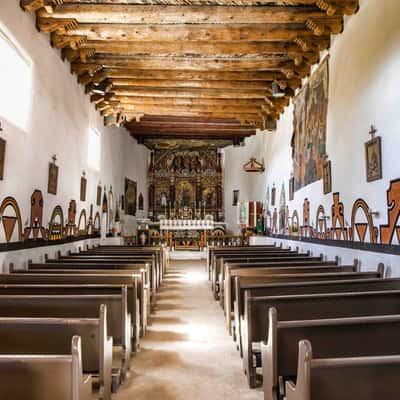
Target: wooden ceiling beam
{"type": "Point", "coordinates": [34, 5]}
{"type": "Point", "coordinates": [179, 133]}
{"type": "Point", "coordinates": [161, 14]}
{"type": "Point", "coordinates": [194, 48]}
{"type": "Point", "coordinates": [201, 33]}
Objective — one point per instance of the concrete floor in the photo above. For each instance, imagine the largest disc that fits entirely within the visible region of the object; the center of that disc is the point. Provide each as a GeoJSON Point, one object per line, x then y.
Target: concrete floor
{"type": "Point", "coordinates": [187, 352]}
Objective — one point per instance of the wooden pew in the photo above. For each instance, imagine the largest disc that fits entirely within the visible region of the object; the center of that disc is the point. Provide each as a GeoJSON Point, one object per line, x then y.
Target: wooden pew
{"type": "Point", "coordinates": [77, 306]}
{"type": "Point", "coordinates": [46, 377]}
{"type": "Point", "coordinates": [226, 277]}
{"type": "Point", "coordinates": [112, 263]}
{"type": "Point", "coordinates": [332, 337]}
{"type": "Point", "coordinates": [214, 252]}
{"type": "Point", "coordinates": [52, 336]}
{"type": "Point", "coordinates": [262, 273]}
{"type": "Point", "coordinates": [344, 378]}
{"type": "Point", "coordinates": [137, 294]}
{"type": "Point", "coordinates": [140, 271]}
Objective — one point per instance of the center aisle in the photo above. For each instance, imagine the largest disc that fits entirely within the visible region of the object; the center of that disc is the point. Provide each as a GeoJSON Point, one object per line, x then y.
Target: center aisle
{"type": "Point", "coordinates": [187, 352]}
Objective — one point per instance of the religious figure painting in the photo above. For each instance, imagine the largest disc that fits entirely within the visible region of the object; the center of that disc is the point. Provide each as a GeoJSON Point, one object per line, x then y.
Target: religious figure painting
{"type": "Point", "coordinates": [130, 197]}
{"type": "Point", "coordinates": [2, 157]}
{"type": "Point", "coordinates": [98, 196]}
{"type": "Point", "coordinates": [373, 156]}
{"type": "Point", "coordinates": [309, 128]}
{"type": "Point", "coordinates": [141, 201]}
{"type": "Point", "coordinates": [327, 177]}
{"type": "Point", "coordinates": [83, 188]}
{"type": "Point", "coordinates": [53, 179]}
{"type": "Point", "coordinates": [235, 197]}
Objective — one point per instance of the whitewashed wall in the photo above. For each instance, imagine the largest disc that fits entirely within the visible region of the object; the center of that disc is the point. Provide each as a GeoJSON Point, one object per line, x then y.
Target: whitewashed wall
{"type": "Point", "coordinates": [59, 122]}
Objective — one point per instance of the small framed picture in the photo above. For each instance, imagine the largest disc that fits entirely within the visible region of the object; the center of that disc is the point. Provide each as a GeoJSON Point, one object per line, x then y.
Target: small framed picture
{"type": "Point", "coordinates": [98, 196]}
{"type": "Point", "coordinates": [373, 159]}
{"type": "Point", "coordinates": [235, 199]}
{"type": "Point", "coordinates": [273, 195]}
{"type": "Point", "coordinates": [2, 157]}
{"type": "Point", "coordinates": [83, 188]}
{"type": "Point", "coordinates": [53, 179]}
{"type": "Point", "coordinates": [327, 177]}
{"type": "Point", "coordinates": [291, 188]}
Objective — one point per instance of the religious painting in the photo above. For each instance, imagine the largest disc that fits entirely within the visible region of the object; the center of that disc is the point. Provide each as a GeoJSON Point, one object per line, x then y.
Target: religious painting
{"type": "Point", "coordinates": [291, 188]}
{"type": "Point", "coordinates": [309, 128]}
{"type": "Point", "coordinates": [56, 225]}
{"type": "Point", "coordinates": [130, 197]}
{"type": "Point", "coordinates": [83, 188]}
{"type": "Point", "coordinates": [2, 157]}
{"type": "Point", "coordinates": [36, 230]}
{"type": "Point", "coordinates": [98, 196]}
{"type": "Point", "coordinates": [373, 159]}
{"type": "Point", "coordinates": [282, 210]}
{"type": "Point", "coordinates": [235, 197]}
{"type": "Point", "coordinates": [327, 177]}
{"type": "Point", "coordinates": [243, 213]}
{"type": "Point", "coordinates": [53, 179]}
{"type": "Point", "coordinates": [273, 195]}
{"type": "Point", "coordinates": [141, 202]}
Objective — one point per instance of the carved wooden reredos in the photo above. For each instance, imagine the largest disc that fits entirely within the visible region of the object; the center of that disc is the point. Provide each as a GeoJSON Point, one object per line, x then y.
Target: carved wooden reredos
{"type": "Point", "coordinates": [185, 179]}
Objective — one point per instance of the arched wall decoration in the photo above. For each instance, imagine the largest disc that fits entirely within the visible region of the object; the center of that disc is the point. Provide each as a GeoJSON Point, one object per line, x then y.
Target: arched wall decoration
{"type": "Point", "coordinates": [36, 230]}
{"type": "Point", "coordinates": [393, 214]}
{"type": "Point", "coordinates": [282, 210]}
{"type": "Point", "coordinates": [97, 223]}
{"type": "Point", "coordinates": [338, 232]}
{"type": "Point", "coordinates": [287, 223]}
{"type": "Point", "coordinates": [111, 210]}
{"type": "Point", "coordinates": [82, 228]}
{"type": "Point", "coordinates": [361, 228]}
{"type": "Point", "coordinates": [10, 221]}
{"type": "Point", "coordinates": [70, 228]}
{"type": "Point", "coordinates": [56, 225]}
{"type": "Point", "coordinates": [295, 223]}
{"type": "Point", "coordinates": [275, 221]}
{"type": "Point", "coordinates": [90, 222]}
{"type": "Point", "coordinates": [320, 223]}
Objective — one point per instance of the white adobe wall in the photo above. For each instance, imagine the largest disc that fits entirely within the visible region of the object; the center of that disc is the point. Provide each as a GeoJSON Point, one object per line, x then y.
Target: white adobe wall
{"type": "Point", "coordinates": [59, 123]}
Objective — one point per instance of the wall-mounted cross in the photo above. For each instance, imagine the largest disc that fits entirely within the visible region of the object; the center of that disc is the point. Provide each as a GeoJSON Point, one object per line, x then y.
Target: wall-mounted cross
{"type": "Point", "coordinates": [54, 158]}
{"type": "Point", "coordinates": [373, 131]}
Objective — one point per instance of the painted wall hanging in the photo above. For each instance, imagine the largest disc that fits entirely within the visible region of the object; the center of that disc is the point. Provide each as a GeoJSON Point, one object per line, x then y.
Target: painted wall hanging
{"type": "Point", "coordinates": [130, 197]}
{"type": "Point", "coordinates": [90, 222]}
{"type": "Point", "coordinates": [97, 223]}
{"type": "Point", "coordinates": [392, 228]}
{"type": "Point", "coordinates": [282, 210]}
{"type": "Point", "coordinates": [306, 228]}
{"type": "Point", "coordinates": [83, 188]}
{"type": "Point", "coordinates": [2, 157]}
{"type": "Point", "coordinates": [52, 182]}
{"type": "Point", "coordinates": [98, 195]}
{"type": "Point", "coordinates": [254, 166]}
{"type": "Point", "coordinates": [291, 188]}
{"type": "Point", "coordinates": [56, 225]}
{"type": "Point", "coordinates": [141, 202]}
{"type": "Point", "coordinates": [309, 128]}
{"type": "Point", "coordinates": [10, 219]}
{"type": "Point", "coordinates": [320, 223]}
{"type": "Point", "coordinates": [36, 230]}
{"type": "Point", "coordinates": [327, 177]}
{"type": "Point", "coordinates": [235, 197]}
{"type": "Point", "coordinates": [70, 227]}
{"type": "Point", "coordinates": [273, 195]}
{"type": "Point", "coordinates": [373, 156]}
{"type": "Point", "coordinates": [295, 223]}
{"type": "Point", "coordinates": [104, 206]}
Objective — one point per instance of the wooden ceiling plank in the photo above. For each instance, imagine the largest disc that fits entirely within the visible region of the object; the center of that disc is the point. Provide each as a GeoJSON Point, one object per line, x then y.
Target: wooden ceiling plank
{"type": "Point", "coordinates": [161, 14]}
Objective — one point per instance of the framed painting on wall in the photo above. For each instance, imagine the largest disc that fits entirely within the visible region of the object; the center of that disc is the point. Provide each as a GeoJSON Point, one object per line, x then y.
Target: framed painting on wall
{"type": "Point", "coordinates": [291, 188]}
{"type": "Point", "coordinates": [141, 202]}
{"type": "Point", "coordinates": [2, 157]}
{"type": "Point", "coordinates": [130, 197]}
{"type": "Point", "coordinates": [273, 195]}
{"type": "Point", "coordinates": [83, 188]}
{"type": "Point", "coordinates": [98, 196]}
{"type": "Point", "coordinates": [53, 179]}
{"type": "Point", "coordinates": [235, 199]}
{"type": "Point", "coordinates": [327, 177]}
{"type": "Point", "coordinates": [373, 159]}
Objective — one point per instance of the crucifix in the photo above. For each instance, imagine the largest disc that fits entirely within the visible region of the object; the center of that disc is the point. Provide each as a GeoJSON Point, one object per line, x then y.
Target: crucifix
{"type": "Point", "coordinates": [373, 131]}
{"type": "Point", "coordinates": [54, 158]}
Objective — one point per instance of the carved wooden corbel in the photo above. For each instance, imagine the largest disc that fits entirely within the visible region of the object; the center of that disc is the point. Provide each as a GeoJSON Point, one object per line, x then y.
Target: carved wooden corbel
{"type": "Point", "coordinates": [61, 41]}
{"type": "Point", "coordinates": [327, 6]}
{"type": "Point", "coordinates": [316, 27]}
{"type": "Point", "coordinates": [58, 25]}
{"type": "Point", "coordinates": [34, 5]}
{"type": "Point", "coordinates": [82, 68]}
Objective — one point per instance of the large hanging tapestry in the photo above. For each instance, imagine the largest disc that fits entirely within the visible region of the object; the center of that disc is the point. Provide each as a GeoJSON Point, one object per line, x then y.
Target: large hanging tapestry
{"type": "Point", "coordinates": [185, 183]}
{"type": "Point", "coordinates": [309, 128]}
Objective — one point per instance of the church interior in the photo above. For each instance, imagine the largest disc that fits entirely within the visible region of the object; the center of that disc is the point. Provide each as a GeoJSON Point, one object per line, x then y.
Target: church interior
{"type": "Point", "coordinates": [199, 199]}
